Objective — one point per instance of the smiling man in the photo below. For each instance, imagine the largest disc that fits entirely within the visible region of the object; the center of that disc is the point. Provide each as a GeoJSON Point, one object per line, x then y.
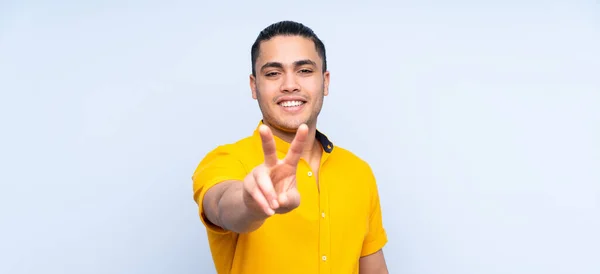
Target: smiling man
{"type": "Point", "coordinates": [285, 199]}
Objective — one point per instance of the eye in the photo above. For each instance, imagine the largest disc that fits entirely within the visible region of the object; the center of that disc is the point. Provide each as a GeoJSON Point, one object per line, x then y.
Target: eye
{"type": "Point", "coordinates": [271, 74]}
{"type": "Point", "coordinates": [305, 71]}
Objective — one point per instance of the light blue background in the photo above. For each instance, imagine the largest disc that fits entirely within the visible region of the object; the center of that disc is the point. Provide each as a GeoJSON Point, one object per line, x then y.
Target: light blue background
{"type": "Point", "coordinates": [481, 121]}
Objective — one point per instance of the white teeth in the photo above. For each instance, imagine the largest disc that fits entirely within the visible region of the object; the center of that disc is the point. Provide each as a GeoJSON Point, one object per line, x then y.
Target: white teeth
{"type": "Point", "coordinates": [291, 103]}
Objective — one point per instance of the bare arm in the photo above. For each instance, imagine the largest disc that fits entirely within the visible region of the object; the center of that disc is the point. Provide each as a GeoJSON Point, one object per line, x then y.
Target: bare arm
{"type": "Point", "coordinates": [373, 264]}
{"type": "Point", "coordinates": [224, 206]}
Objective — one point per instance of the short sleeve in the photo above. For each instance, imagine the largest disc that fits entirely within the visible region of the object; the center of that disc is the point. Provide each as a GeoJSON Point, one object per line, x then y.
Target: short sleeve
{"type": "Point", "coordinates": [376, 237]}
{"type": "Point", "coordinates": [217, 166]}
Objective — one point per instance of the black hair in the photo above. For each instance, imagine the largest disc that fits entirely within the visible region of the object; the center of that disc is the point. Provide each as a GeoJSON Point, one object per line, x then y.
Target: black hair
{"type": "Point", "coordinates": [289, 28]}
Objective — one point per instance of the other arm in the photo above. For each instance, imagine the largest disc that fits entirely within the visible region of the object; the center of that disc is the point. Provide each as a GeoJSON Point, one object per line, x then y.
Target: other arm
{"type": "Point", "coordinates": [373, 264]}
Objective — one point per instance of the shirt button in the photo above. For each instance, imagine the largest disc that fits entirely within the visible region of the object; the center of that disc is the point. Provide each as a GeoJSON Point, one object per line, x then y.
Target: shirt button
{"type": "Point", "coordinates": [324, 258]}
{"type": "Point", "coordinates": [309, 173]}
{"type": "Point", "coordinates": [323, 214]}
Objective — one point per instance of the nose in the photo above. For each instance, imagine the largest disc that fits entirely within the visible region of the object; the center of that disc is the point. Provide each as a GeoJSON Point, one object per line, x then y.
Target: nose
{"type": "Point", "coordinates": [289, 83]}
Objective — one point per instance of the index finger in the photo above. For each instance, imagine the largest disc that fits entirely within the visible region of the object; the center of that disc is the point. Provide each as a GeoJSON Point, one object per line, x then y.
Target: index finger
{"type": "Point", "coordinates": [297, 146]}
{"type": "Point", "coordinates": [268, 145]}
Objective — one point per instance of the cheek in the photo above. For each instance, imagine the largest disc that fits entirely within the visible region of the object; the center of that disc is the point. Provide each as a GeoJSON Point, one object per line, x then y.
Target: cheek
{"type": "Point", "coordinates": [265, 94]}
{"type": "Point", "coordinates": [313, 86]}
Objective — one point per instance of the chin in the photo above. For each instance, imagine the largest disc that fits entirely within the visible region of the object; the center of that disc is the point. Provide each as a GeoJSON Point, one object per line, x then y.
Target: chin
{"type": "Point", "coordinates": [289, 125]}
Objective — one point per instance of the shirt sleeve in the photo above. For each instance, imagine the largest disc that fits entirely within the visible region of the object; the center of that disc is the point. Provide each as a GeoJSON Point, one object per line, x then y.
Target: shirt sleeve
{"type": "Point", "coordinates": [376, 237]}
{"type": "Point", "coordinates": [217, 166]}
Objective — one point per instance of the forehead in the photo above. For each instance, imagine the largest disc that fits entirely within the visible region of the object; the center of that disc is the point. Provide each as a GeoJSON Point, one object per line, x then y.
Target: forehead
{"type": "Point", "coordinates": [287, 50]}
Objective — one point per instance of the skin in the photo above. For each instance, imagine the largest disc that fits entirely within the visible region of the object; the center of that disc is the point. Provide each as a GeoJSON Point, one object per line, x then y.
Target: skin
{"type": "Point", "coordinates": [286, 66]}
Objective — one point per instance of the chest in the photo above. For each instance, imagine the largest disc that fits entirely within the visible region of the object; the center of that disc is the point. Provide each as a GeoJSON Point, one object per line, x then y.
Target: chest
{"type": "Point", "coordinates": [342, 195]}
{"type": "Point", "coordinates": [332, 218]}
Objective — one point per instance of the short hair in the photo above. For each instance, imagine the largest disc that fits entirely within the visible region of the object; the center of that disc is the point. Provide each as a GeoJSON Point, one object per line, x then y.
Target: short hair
{"type": "Point", "coordinates": [287, 28]}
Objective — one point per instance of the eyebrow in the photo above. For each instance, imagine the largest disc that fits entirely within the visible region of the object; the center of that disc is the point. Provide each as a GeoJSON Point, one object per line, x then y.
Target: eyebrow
{"type": "Point", "coordinates": [280, 65]}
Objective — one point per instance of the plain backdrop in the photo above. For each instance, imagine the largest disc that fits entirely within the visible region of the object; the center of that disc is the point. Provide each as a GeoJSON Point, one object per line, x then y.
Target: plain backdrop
{"type": "Point", "coordinates": [480, 119]}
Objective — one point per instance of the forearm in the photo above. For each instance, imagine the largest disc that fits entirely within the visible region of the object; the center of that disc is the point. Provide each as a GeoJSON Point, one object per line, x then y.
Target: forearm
{"type": "Point", "coordinates": [226, 208]}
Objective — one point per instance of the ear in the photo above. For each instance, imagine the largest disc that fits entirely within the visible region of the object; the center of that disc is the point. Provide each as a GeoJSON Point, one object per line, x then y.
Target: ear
{"type": "Point", "coordinates": [326, 83]}
{"type": "Point", "coordinates": [253, 86]}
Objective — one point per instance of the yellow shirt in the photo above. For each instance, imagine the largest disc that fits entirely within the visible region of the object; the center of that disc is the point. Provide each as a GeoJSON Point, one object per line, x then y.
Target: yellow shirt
{"type": "Point", "coordinates": [337, 221]}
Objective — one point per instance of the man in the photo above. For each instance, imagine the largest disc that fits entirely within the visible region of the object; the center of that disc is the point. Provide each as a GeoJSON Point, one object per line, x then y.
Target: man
{"type": "Point", "coordinates": [285, 200]}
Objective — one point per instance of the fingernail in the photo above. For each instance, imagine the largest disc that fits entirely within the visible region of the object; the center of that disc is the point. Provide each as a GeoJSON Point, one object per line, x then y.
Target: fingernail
{"type": "Point", "coordinates": [274, 204]}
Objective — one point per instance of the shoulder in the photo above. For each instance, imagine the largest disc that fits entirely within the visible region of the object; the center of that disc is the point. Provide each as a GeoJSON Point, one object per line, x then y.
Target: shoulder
{"type": "Point", "coordinates": [230, 154]}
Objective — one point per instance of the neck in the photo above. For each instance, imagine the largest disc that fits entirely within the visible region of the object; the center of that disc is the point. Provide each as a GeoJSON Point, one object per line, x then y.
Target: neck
{"type": "Point", "coordinates": [312, 148]}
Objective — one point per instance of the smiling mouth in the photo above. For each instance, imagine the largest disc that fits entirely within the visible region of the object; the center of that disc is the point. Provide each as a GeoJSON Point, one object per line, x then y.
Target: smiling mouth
{"type": "Point", "coordinates": [291, 103]}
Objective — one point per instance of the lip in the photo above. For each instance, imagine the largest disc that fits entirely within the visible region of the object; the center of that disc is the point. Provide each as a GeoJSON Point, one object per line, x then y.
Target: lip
{"type": "Point", "coordinates": [290, 98]}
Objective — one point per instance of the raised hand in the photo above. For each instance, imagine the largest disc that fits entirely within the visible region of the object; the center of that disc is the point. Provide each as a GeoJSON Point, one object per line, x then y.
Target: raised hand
{"type": "Point", "coordinates": [271, 187]}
